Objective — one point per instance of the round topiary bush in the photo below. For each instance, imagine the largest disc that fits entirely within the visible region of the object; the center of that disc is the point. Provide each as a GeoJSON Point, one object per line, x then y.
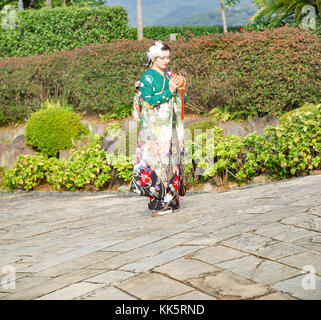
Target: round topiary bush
{"type": "Point", "coordinates": [54, 127]}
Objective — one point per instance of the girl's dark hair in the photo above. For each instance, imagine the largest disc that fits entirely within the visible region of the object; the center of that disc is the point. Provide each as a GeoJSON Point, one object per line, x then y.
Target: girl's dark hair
{"type": "Point", "coordinates": [165, 47]}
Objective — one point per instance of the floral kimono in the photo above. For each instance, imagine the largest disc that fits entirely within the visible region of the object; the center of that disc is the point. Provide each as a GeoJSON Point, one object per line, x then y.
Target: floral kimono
{"type": "Point", "coordinates": [159, 171]}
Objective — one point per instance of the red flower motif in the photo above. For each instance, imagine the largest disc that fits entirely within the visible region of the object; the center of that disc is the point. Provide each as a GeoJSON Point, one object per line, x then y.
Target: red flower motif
{"type": "Point", "coordinates": [144, 178]}
{"type": "Point", "coordinates": [241, 28]}
{"type": "Point", "coordinates": [176, 183]}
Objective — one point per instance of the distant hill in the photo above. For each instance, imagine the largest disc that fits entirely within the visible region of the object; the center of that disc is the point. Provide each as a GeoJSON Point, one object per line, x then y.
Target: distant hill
{"type": "Point", "coordinates": [173, 12]}
{"type": "Point", "coordinates": [234, 17]}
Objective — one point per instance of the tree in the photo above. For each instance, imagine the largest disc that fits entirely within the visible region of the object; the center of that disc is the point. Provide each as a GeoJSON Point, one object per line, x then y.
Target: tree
{"type": "Point", "coordinates": [226, 3]}
{"type": "Point", "coordinates": [275, 11]}
{"type": "Point", "coordinates": [139, 9]}
{"type": "Point", "coordinates": [28, 4]}
{"type": "Point", "coordinates": [223, 16]}
{"type": "Point", "coordinates": [8, 3]}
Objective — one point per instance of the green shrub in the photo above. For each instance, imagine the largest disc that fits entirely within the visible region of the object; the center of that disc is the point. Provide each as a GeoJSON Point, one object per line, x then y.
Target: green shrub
{"type": "Point", "coordinates": [246, 74]}
{"type": "Point", "coordinates": [86, 167]}
{"type": "Point", "coordinates": [289, 115]}
{"type": "Point", "coordinates": [296, 143]}
{"type": "Point", "coordinates": [27, 173]}
{"type": "Point", "coordinates": [62, 28]}
{"type": "Point", "coordinates": [219, 115]}
{"type": "Point", "coordinates": [93, 167]}
{"type": "Point", "coordinates": [286, 150]}
{"type": "Point", "coordinates": [53, 128]}
{"type": "Point", "coordinates": [113, 130]}
{"type": "Point", "coordinates": [14, 113]}
{"type": "Point", "coordinates": [2, 171]}
{"type": "Point", "coordinates": [118, 112]}
{"type": "Point", "coordinates": [200, 127]}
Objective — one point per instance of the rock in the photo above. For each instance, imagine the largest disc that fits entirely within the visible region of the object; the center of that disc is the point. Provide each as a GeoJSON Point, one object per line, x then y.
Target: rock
{"type": "Point", "coordinates": [207, 187]}
{"type": "Point", "coordinates": [98, 128]}
{"type": "Point", "coordinates": [6, 135]}
{"type": "Point", "coordinates": [66, 154]}
{"type": "Point", "coordinates": [260, 179]}
{"type": "Point", "coordinates": [82, 143]}
{"type": "Point", "coordinates": [315, 172]}
{"type": "Point", "coordinates": [4, 155]}
{"type": "Point", "coordinates": [233, 185]}
{"type": "Point", "coordinates": [259, 124]}
{"type": "Point", "coordinates": [124, 188]}
{"type": "Point", "coordinates": [233, 128]}
{"type": "Point", "coordinates": [216, 181]}
{"type": "Point", "coordinates": [17, 147]}
{"type": "Point", "coordinates": [109, 144]}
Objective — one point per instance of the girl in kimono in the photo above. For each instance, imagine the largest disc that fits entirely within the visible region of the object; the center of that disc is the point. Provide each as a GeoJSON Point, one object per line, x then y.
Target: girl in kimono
{"type": "Point", "coordinates": [159, 171]}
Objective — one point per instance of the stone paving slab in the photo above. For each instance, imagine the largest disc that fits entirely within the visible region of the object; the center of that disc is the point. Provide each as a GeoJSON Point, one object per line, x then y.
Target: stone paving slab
{"type": "Point", "coordinates": [259, 270]}
{"type": "Point", "coordinates": [107, 293]}
{"type": "Point", "coordinates": [183, 269]}
{"type": "Point", "coordinates": [307, 258]}
{"type": "Point", "coordinates": [72, 291]}
{"type": "Point", "coordinates": [153, 286]}
{"type": "Point", "coordinates": [263, 246]}
{"type": "Point", "coordinates": [253, 242]}
{"type": "Point", "coordinates": [193, 295]}
{"type": "Point", "coordinates": [217, 253]}
{"type": "Point", "coordinates": [295, 288]}
{"type": "Point", "coordinates": [228, 286]}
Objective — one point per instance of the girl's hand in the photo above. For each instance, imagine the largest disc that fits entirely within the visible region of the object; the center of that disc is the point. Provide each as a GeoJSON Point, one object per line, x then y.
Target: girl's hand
{"type": "Point", "coordinates": [184, 81]}
{"type": "Point", "coordinates": [173, 84]}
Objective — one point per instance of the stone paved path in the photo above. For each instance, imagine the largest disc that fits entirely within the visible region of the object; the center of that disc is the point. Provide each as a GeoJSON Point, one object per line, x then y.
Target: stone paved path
{"type": "Point", "coordinates": [246, 243]}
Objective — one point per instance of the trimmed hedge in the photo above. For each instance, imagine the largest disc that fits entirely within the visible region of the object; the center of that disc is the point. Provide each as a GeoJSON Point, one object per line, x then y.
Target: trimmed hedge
{"type": "Point", "coordinates": [62, 28]}
{"type": "Point", "coordinates": [246, 74]}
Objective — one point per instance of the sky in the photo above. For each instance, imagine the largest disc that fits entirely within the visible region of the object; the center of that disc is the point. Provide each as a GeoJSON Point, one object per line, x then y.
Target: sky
{"type": "Point", "coordinates": [153, 10]}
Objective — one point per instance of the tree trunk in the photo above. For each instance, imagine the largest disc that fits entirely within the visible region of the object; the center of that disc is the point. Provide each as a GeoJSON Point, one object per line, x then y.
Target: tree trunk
{"type": "Point", "coordinates": [28, 4]}
{"type": "Point", "coordinates": [223, 16]}
{"type": "Point", "coordinates": [140, 35]}
{"type": "Point", "coordinates": [48, 3]}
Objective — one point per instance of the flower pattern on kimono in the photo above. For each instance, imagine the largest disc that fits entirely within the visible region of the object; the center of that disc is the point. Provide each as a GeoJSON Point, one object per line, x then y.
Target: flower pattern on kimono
{"type": "Point", "coordinates": [152, 189]}
{"type": "Point", "coordinates": [149, 79]}
{"type": "Point", "coordinates": [144, 178]}
{"type": "Point", "coordinates": [164, 146]}
{"type": "Point", "coordinates": [168, 197]}
{"type": "Point", "coordinates": [153, 149]}
{"type": "Point", "coordinates": [176, 183]}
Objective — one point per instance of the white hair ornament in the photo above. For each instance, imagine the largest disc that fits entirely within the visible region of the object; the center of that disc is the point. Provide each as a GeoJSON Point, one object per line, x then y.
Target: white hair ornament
{"type": "Point", "coordinates": [155, 50]}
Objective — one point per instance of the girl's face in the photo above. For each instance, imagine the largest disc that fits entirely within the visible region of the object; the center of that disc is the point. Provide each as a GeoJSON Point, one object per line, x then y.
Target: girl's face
{"type": "Point", "coordinates": [162, 62]}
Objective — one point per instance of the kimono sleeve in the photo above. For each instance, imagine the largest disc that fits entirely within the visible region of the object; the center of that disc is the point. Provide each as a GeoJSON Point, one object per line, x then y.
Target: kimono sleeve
{"type": "Point", "coordinates": [148, 92]}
